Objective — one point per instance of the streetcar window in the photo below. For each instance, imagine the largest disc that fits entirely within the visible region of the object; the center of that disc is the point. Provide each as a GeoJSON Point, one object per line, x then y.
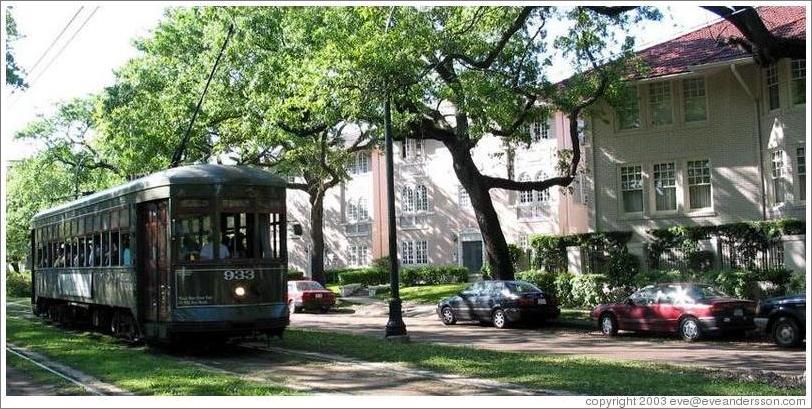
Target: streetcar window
{"type": "Point", "coordinates": [88, 250]}
{"type": "Point", "coordinates": [238, 234]}
{"type": "Point", "coordinates": [270, 228]}
{"type": "Point", "coordinates": [193, 237]}
{"type": "Point", "coordinates": [97, 251]}
{"type": "Point", "coordinates": [114, 250]}
{"type": "Point", "coordinates": [126, 255]}
{"type": "Point", "coordinates": [105, 248]}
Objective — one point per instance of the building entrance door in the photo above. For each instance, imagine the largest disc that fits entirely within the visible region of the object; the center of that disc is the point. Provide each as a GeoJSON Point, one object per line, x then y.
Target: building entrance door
{"type": "Point", "coordinates": [472, 255]}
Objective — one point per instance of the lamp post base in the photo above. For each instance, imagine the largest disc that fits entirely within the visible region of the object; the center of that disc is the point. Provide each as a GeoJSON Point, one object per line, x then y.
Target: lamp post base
{"type": "Point", "coordinates": [395, 327]}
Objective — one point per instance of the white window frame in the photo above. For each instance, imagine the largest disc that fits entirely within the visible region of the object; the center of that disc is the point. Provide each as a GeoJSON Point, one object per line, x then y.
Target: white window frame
{"type": "Point", "coordinates": [463, 198]}
{"type": "Point", "coordinates": [407, 252]}
{"type": "Point", "coordinates": [657, 169]}
{"type": "Point", "coordinates": [660, 94]}
{"type": "Point", "coordinates": [363, 210]}
{"type": "Point", "coordinates": [800, 173]}
{"type": "Point", "coordinates": [407, 199]}
{"type": "Point", "coordinates": [778, 175]}
{"type": "Point", "coordinates": [525, 196]}
{"type": "Point", "coordinates": [623, 188]}
{"type": "Point", "coordinates": [688, 179]}
{"type": "Point", "coordinates": [421, 252]}
{"type": "Point", "coordinates": [421, 198]}
{"type": "Point", "coordinates": [797, 72]}
{"type": "Point", "coordinates": [542, 196]}
{"type": "Point", "coordinates": [634, 93]}
{"type": "Point", "coordinates": [361, 163]}
{"type": "Point", "coordinates": [352, 211]}
{"type": "Point", "coordinates": [686, 98]}
{"type": "Point", "coordinates": [771, 83]}
{"type": "Point", "coordinates": [414, 149]}
{"type": "Point", "coordinates": [358, 255]}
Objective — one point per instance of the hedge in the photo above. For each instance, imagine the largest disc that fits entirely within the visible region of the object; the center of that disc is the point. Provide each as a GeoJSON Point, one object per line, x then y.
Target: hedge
{"type": "Point", "coordinates": [431, 275]}
{"type": "Point", "coordinates": [296, 275]}
{"type": "Point", "coordinates": [18, 284]}
{"type": "Point", "coordinates": [365, 276]}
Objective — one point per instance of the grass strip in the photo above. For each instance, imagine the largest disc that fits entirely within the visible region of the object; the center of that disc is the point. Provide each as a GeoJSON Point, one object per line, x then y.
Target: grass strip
{"type": "Point", "coordinates": [40, 376]}
{"type": "Point", "coordinates": [135, 369]}
{"type": "Point", "coordinates": [592, 376]}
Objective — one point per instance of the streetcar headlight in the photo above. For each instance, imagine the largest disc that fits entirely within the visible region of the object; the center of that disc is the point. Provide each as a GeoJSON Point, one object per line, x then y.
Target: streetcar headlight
{"type": "Point", "coordinates": [239, 291]}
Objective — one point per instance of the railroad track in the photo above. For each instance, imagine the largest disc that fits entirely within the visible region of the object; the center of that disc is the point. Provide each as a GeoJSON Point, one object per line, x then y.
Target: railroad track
{"type": "Point", "coordinates": [56, 371]}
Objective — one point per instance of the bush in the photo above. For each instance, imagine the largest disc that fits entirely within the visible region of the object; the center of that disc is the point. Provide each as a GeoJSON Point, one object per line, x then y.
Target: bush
{"type": "Point", "coordinates": [382, 263]}
{"type": "Point", "coordinates": [296, 275]}
{"type": "Point", "coordinates": [797, 283]}
{"type": "Point", "coordinates": [645, 278]}
{"type": "Point", "coordinates": [18, 284]}
{"type": "Point", "coordinates": [365, 276]}
{"type": "Point", "coordinates": [431, 275]}
{"type": "Point", "coordinates": [542, 279]}
{"type": "Point", "coordinates": [739, 284]}
{"type": "Point", "coordinates": [621, 267]}
{"type": "Point", "coordinates": [588, 290]}
{"type": "Point", "coordinates": [563, 288]}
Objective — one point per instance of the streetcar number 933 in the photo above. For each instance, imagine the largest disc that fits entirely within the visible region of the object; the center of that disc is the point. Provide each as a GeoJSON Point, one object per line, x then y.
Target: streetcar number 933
{"type": "Point", "coordinates": [238, 275]}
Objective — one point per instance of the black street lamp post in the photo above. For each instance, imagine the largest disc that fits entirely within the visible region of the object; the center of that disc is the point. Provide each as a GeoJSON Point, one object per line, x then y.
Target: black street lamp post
{"type": "Point", "coordinates": [395, 327]}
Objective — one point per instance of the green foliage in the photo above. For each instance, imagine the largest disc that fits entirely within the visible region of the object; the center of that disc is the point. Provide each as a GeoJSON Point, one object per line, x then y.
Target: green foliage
{"type": "Point", "coordinates": [365, 276]}
{"type": "Point", "coordinates": [588, 290]}
{"type": "Point", "coordinates": [797, 283]}
{"type": "Point", "coordinates": [18, 283]}
{"type": "Point", "coordinates": [382, 263]}
{"type": "Point", "coordinates": [608, 251]}
{"type": "Point", "coordinates": [544, 280]}
{"type": "Point", "coordinates": [14, 74]}
{"type": "Point", "coordinates": [296, 275]}
{"type": "Point", "coordinates": [563, 288]}
{"type": "Point", "coordinates": [432, 275]}
{"type": "Point", "coordinates": [518, 256]}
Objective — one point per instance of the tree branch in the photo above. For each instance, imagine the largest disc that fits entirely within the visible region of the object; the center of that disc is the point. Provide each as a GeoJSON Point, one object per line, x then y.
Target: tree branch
{"type": "Point", "coordinates": [486, 62]}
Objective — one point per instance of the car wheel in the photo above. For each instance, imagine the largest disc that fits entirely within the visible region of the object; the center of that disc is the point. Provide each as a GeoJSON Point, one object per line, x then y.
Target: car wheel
{"type": "Point", "coordinates": [786, 333]}
{"type": "Point", "coordinates": [690, 330]}
{"type": "Point", "coordinates": [608, 325]}
{"type": "Point", "coordinates": [324, 309]}
{"type": "Point", "coordinates": [498, 318]}
{"type": "Point", "coordinates": [448, 316]}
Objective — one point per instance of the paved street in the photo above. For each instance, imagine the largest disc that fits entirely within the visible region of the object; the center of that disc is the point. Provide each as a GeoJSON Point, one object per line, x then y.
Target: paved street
{"type": "Point", "coordinates": [423, 325]}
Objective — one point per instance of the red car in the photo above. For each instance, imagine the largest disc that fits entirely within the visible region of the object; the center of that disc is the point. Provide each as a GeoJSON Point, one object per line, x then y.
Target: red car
{"type": "Point", "coordinates": [690, 310]}
{"type": "Point", "coordinates": [309, 295]}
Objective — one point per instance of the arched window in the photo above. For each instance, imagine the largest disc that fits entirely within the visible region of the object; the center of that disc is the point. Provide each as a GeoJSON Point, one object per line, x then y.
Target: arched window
{"type": "Point", "coordinates": [363, 212]}
{"type": "Point", "coordinates": [542, 195]}
{"type": "Point", "coordinates": [525, 196]}
{"type": "Point", "coordinates": [362, 163]}
{"type": "Point", "coordinates": [421, 198]}
{"type": "Point", "coordinates": [352, 211]}
{"type": "Point", "coordinates": [407, 199]}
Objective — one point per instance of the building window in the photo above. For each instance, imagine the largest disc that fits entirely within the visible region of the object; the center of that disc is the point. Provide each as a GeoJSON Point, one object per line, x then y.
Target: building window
{"type": "Point", "coordinates": [540, 130]}
{"type": "Point", "coordinates": [421, 249]}
{"type": "Point", "coordinates": [798, 68]}
{"type": "Point", "coordinates": [362, 162]}
{"type": "Point", "coordinates": [523, 242]}
{"type": "Point", "coordinates": [773, 97]}
{"type": "Point", "coordinates": [413, 148]}
{"type": "Point", "coordinates": [696, 107]}
{"type": "Point", "coordinates": [665, 187]}
{"type": "Point", "coordinates": [525, 196]}
{"type": "Point", "coordinates": [462, 196]}
{"type": "Point", "coordinates": [659, 102]}
{"type": "Point", "coordinates": [407, 199]}
{"type": "Point", "coordinates": [542, 196]}
{"type": "Point", "coordinates": [778, 176]}
{"type": "Point", "coordinates": [358, 255]}
{"type": "Point", "coordinates": [421, 198]}
{"type": "Point", "coordinates": [357, 210]}
{"type": "Point", "coordinates": [699, 184]}
{"type": "Point", "coordinates": [631, 184]}
{"type": "Point", "coordinates": [800, 166]}
{"type": "Point", "coordinates": [363, 212]}
{"type": "Point", "coordinates": [407, 252]}
{"type": "Point", "coordinates": [628, 115]}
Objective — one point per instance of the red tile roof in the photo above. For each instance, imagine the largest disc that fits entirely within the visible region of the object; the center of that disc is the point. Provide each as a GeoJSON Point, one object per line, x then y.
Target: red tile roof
{"type": "Point", "coordinates": [702, 47]}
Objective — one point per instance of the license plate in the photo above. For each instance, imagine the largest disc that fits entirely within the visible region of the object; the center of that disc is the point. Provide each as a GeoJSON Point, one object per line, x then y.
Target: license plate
{"type": "Point", "coordinates": [541, 301]}
{"type": "Point", "coordinates": [319, 295]}
{"type": "Point", "coordinates": [738, 312]}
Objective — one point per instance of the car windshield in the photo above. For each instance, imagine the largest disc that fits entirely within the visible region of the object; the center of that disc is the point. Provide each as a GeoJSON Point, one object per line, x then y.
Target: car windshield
{"type": "Point", "coordinates": [308, 285]}
{"type": "Point", "coordinates": [522, 287]}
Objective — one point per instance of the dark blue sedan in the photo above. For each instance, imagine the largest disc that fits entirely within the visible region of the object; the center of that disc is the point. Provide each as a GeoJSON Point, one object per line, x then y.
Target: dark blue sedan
{"type": "Point", "coordinates": [784, 319]}
{"type": "Point", "coordinates": [499, 302]}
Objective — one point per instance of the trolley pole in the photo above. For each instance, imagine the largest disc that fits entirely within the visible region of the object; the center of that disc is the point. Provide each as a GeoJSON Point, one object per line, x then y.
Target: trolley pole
{"type": "Point", "coordinates": [395, 327]}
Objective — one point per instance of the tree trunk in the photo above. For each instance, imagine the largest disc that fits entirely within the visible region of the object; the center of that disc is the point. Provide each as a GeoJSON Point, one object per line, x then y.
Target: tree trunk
{"type": "Point", "coordinates": [317, 236]}
{"type": "Point", "coordinates": [496, 247]}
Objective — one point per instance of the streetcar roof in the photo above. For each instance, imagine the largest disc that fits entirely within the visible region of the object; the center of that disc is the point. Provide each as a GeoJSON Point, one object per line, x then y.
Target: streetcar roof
{"type": "Point", "coordinates": [207, 174]}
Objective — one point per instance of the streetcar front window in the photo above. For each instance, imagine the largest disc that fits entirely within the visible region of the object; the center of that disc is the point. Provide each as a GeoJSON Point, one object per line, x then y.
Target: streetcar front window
{"type": "Point", "coordinates": [194, 238]}
{"type": "Point", "coordinates": [238, 235]}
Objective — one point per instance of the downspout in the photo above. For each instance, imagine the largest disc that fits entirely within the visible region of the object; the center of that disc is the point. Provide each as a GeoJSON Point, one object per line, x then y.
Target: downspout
{"type": "Point", "coordinates": [756, 104]}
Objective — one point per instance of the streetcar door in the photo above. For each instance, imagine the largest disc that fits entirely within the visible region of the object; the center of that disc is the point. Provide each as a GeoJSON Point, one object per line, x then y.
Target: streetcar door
{"type": "Point", "coordinates": [154, 260]}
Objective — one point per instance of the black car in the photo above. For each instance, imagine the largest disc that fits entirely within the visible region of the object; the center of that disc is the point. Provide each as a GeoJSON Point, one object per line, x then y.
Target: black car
{"type": "Point", "coordinates": [785, 319]}
{"type": "Point", "coordinates": [498, 302]}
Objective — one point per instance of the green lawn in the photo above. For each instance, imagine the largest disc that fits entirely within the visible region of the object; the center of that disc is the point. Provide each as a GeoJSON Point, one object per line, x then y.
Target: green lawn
{"type": "Point", "coordinates": [135, 369]}
{"type": "Point", "coordinates": [574, 374]}
{"type": "Point", "coordinates": [574, 314]}
{"type": "Point", "coordinates": [426, 294]}
{"type": "Point", "coordinates": [41, 376]}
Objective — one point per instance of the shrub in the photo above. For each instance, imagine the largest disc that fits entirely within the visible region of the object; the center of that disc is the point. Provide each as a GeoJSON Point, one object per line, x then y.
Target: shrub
{"type": "Point", "coordinates": [701, 260]}
{"type": "Point", "coordinates": [588, 290]}
{"type": "Point", "coordinates": [563, 288]}
{"type": "Point", "coordinates": [365, 276]}
{"type": "Point", "coordinates": [645, 278]}
{"type": "Point", "coordinates": [542, 279]}
{"type": "Point", "coordinates": [431, 275]}
{"type": "Point", "coordinates": [797, 283]}
{"type": "Point", "coordinates": [18, 283]}
{"type": "Point", "coordinates": [621, 267]}
{"type": "Point", "coordinates": [739, 284]}
{"type": "Point", "coordinates": [296, 275]}
{"type": "Point", "coordinates": [381, 263]}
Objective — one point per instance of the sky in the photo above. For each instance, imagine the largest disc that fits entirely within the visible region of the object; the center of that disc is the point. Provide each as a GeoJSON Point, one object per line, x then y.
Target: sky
{"type": "Point", "coordinates": [87, 62]}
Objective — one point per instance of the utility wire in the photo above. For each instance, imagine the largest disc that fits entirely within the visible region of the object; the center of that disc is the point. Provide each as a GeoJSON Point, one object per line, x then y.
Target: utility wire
{"type": "Point", "coordinates": [56, 39]}
{"type": "Point", "coordinates": [64, 46]}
